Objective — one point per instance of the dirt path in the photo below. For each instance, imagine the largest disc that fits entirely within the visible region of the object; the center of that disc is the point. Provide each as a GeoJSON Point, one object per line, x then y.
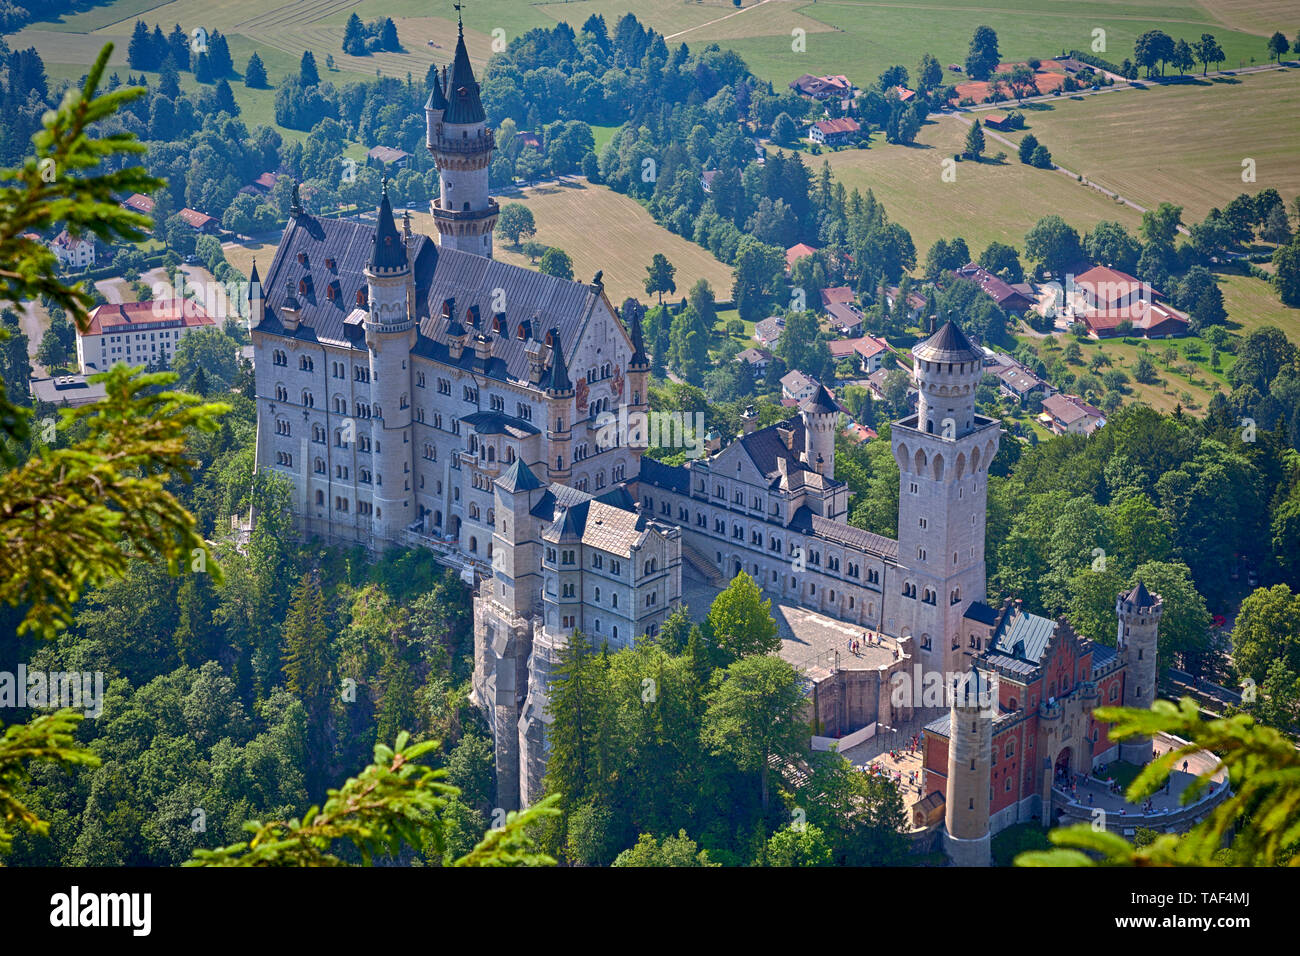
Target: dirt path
{"type": "Point", "coordinates": [700, 26]}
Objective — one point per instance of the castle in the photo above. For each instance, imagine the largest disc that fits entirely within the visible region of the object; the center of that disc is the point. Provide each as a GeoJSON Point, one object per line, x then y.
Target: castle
{"type": "Point", "coordinates": [424, 394]}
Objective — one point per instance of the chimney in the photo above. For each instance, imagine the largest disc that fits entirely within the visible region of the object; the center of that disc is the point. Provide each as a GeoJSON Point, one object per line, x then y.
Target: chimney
{"type": "Point", "coordinates": [749, 420]}
{"type": "Point", "coordinates": [483, 346]}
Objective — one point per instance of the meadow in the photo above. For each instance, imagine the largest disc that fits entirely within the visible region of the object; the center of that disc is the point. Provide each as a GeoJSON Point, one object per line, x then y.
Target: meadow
{"type": "Point", "coordinates": [984, 202]}
{"type": "Point", "coordinates": [1180, 144]}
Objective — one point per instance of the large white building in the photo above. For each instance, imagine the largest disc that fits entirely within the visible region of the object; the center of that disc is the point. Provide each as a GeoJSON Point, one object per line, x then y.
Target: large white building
{"type": "Point", "coordinates": [426, 394]}
{"type": "Point", "coordinates": [137, 333]}
{"type": "Point", "coordinates": [73, 252]}
{"type": "Point", "coordinates": [398, 379]}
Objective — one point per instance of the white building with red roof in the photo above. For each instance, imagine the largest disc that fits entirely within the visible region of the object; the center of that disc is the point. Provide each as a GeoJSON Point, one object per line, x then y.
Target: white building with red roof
{"type": "Point", "coordinates": [73, 252]}
{"type": "Point", "coordinates": [137, 333]}
{"type": "Point", "coordinates": [833, 132]}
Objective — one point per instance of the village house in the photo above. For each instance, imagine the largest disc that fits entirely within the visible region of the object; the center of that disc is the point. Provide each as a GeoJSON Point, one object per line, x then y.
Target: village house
{"type": "Point", "coordinates": [388, 156]}
{"type": "Point", "coordinates": [757, 359]}
{"type": "Point", "coordinates": [1014, 299]}
{"type": "Point", "coordinates": [822, 88]}
{"type": "Point", "coordinates": [73, 252]}
{"type": "Point", "coordinates": [800, 250]}
{"type": "Point", "coordinates": [261, 187]}
{"type": "Point", "coordinates": [796, 386]}
{"type": "Point", "coordinates": [768, 330]}
{"type": "Point", "coordinates": [1071, 415]}
{"type": "Point", "coordinates": [845, 319]}
{"type": "Point", "coordinates": [839, 293]}
{"type": "Point", "coordinates": [200, 222]}
{"type": "Point", "coordinates": [915, 302]}
{"type": "Point", "coordinates": [139, 203]}
{"type": "Point", "coordinates": [834, 132]}
{"type": "Point", "coordinates": [871, 351]}
{"type": "Point", "coordinates": [70, 391]}
{"type": "Point", "coordinates": [706, 179]}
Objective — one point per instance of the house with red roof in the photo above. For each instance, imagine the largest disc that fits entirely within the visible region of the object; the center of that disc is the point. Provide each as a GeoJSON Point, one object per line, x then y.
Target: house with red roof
{"type": "Point", "coordinates": [137, 333]}
{"type": "Point", "coordinates": [834, 132]}
{"type": "Point", "coordinates": [1116, 303]}
{"type": "Point", "coordinates": [823, 87]}
{"type": "Point", "coordinates": [796, 252]}
{"type": "Point", "coordinates": [199, 221]}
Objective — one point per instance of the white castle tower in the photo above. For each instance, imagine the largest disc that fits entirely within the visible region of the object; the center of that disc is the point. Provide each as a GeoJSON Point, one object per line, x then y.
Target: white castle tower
{"type": "Point", "coordinates": [943, 455]}
{"type": "Point", "coordinates": [970, 753]}
{"type": "Point", "coordinates": [1139, 628]}
{"type": "Point", "coordinates": [820, 414]}
{"type": "Point", "coordinates": [391, 330]}
{"type": "Point", "coordinates": [462, 145]}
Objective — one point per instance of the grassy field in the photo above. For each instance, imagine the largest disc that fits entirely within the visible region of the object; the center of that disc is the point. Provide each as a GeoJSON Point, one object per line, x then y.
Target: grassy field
{"type": "Point", "coordinates": [986, 202]}
{"type": "Point", "coordinates": [861, 38]}
{"type": "Point", "coordinates": [622, 240]}
{"type": "Point", "coordinates": [1190, 383]}
{"type": "Point", "coordinates": [1252, 303]}
{"type": "Point", "coordinates": [1181, 144]}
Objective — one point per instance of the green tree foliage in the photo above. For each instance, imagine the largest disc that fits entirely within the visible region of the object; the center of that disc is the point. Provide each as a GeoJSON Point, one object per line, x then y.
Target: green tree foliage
{"type": "Point", "coordinates": [1053, 243]}
{"type": "Point", "coordinates": [660, 277]}
{"type": "Point", "coordinates": [678, 850]}
{"type": "Point", "coordinates": [1256, 822]}
{"type": "Point", "coordinates": [983, 59]}
{"type": "Point", "coordinates": [556, 262]}
{"type": "Point", "coordinates": [516, 222]}
{"type": "Point", "coordinates": [255, 73]}
{"type": "Point", "coordinates": [754, 715]}
{"type": "Point", "coordinates": [740, 620]}
{"type": "Point", "coordinates": [1267, 629]}
{"type": "Point", "coordinates": [397, 802]}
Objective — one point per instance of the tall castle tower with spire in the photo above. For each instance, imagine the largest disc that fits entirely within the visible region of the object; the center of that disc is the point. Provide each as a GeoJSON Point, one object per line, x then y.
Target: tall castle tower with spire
{"type": "Point", "coordinates": [462, 145]}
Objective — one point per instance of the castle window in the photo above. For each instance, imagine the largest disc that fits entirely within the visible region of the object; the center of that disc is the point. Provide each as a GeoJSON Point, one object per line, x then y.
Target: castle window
{"type": "Point", "coordinates": [320, 497]}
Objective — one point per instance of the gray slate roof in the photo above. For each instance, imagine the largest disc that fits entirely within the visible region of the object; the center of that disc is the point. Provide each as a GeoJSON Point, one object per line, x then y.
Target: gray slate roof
{"type": "Point", "coordinates": [543, 301]}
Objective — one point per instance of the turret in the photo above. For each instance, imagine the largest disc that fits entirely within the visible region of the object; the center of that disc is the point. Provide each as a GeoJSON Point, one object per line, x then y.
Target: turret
{"type": "Point", "coordinates": [559, 409]}
{"type": "Point", "coordinates": [1139, 629]}
{"type": "Point", "coordinates": [970, 750]}
{"type": "Point", "coordinates": [390, 336]}
{"type": "Point", "coordinates": [515, 571]}
{"type": "Point", "coordinates": [462, 146]}
{"type": "Point", "coordinates": [820, 415]}
{"type": "Point", "coordinates": [947, 372]}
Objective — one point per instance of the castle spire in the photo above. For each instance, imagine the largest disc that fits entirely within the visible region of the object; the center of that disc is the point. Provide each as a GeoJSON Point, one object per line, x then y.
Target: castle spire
{"type": "Point", "coordinates": [559, 372]}
{"type": "Point", "coordinates": [463, 103]}
{"type": "Point", "coordinates": [390, 251]}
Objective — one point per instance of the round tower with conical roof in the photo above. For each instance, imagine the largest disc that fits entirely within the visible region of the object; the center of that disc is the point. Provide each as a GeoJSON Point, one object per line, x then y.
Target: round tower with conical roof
{"type": "Point", "coordinates": [461, 143]}
{"type": "Point", "coordinates": [946, 370]}
{"type": "Point", "coordinates": [820, 414]}
{"type": "Point", "coordinates": [970, 754]}
{"type": "Point", "coordinates": [390, 335]}
{"type": "Point", "coordinates": [559, 410]}
{"type": "Point", "coordinates": [1139, 630]}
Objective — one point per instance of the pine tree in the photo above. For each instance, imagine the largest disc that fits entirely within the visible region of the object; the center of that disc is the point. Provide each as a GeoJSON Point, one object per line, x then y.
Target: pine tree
{"type": "Point", "coordinates": [307, 70]}
{"type": "Point", "coordinates": [160, 48]}
{"type": "Point", "coordinates": [219, 55]}
{"type": "Point", "coordinates": [388, 35]}
{"type": "Point", "coordinates": [975, 140]}
{"type": "Point", "coordinates": [354, 36]}
{"type": "Point", "coordinates": [226, 99]}
{"type": "Point", "coordinates": [169, 83]}
{"type": "Point", "coordinates": [203, 69]}
{"type": "Point", "coordinates": [255, 73]}
{"type": "Point", "coordinates": [178, 45]}
{"type": "Point", "coordinates": [139, 52]}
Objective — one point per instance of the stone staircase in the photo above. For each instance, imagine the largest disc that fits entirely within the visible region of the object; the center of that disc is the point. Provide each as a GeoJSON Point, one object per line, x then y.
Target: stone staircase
{"type": "Point", "coordinates": [702, 565]}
